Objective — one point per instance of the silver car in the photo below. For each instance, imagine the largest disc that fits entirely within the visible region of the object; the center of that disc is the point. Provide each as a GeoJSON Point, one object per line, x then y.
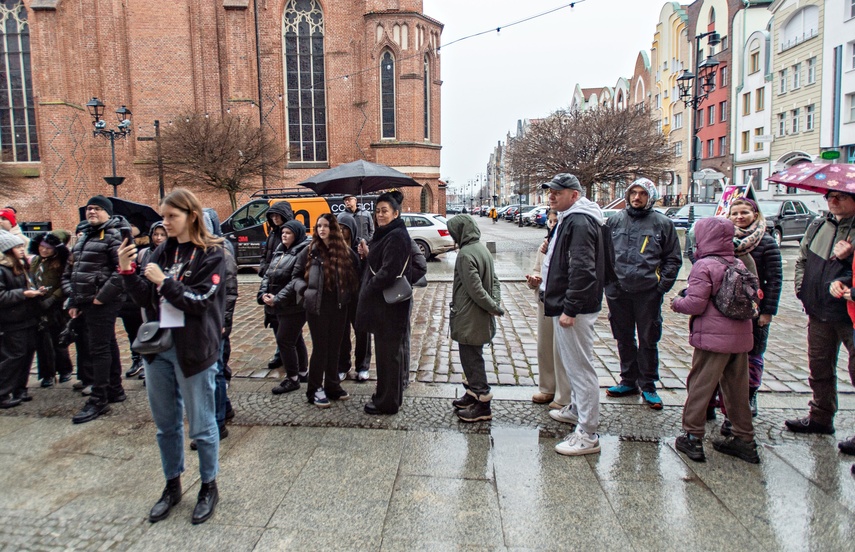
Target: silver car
{"type": "Point", "coordinates": [430, 233]}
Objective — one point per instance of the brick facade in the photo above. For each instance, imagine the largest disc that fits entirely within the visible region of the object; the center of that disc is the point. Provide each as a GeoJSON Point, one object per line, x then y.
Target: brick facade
{"type": "Point", "coordinates": [161, 59]}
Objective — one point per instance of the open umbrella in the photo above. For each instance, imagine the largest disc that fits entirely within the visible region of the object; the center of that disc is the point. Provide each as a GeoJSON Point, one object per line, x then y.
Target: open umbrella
{"type": "Point", "coordinates": [818, 177]}
{"type": "Point", "coordinates": [357, 178]}
{"type": "Point", "coordinates": [140, 215]}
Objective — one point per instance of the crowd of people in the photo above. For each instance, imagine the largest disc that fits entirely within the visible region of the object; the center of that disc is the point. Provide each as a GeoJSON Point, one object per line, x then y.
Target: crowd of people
{"type": "Point", "coordinates": [175, 289]}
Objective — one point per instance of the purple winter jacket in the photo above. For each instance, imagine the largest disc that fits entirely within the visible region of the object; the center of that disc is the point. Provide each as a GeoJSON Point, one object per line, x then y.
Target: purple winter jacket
{"type": "Point", "coordinates": [709, 329]}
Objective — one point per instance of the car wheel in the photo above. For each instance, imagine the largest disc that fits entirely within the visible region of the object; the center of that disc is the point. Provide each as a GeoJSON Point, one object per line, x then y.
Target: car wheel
{"type": "Point", "coordinates": [424, 248]}
{"type": "Point", "coordinates": [779, 236]}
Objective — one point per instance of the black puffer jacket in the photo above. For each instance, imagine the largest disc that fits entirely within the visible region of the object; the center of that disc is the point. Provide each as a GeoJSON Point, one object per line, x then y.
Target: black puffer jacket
{"type": "Point", "coordinates": [647, 251]}
{"type": "Point", "coordinates": [281, 279]}
{"type": "Point", "coordinates": [18, 311]}
{"type": "Point", "coordinates": [92, 275]}
{"type": "Point", "coordinates": [201, 295]}
{"type": "Point", "coordinates": [767, 259]}
{"type": "Point", "coordinates": [274, 237]}
{"type": "Point", "coordinates": [313, 289]}
{"type": "Point", "coordinates": [817, 267]}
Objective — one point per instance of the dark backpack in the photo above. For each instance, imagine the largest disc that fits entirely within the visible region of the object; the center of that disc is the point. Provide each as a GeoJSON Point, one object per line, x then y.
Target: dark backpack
{"type": "Point", "coordinates": [605, 251]}
{"type": "Point", "coordinates": [739, 295]}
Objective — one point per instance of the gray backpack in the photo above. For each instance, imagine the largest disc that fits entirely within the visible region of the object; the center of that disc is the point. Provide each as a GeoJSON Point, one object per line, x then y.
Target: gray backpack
{"type": "Point", "coordinates": [739, 295]}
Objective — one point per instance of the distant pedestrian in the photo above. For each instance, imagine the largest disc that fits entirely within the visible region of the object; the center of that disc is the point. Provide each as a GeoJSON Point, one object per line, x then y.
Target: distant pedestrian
{"type": "Point", "coordinates": [97, 294]}
{"type": "Point", "coordinates": [277, 215]}
{"type": "Point", "coordinates": [278, 294]}
{"type": "Point", "coordinates": [330, 282]}
{"type": "Point", "coordinates": [50, 256]}
{"type": "Point", "coordinates": [752, 238]}
{"type": "Point", "coordinates": [363, 218]}
{"type": "Point", "coordinates": [362, 341]}
{"type": "Point", "coordinates": [9, 223]}
{"type": "Point", "coordinates": [553, 385]}
{"type": "Point", "coordinates": [824, 264]}
{"type": "Point", "coordinates": [475, 302]}
{"type": "Point", "coordinates": [573, 278]}
{"type": "Point", "coordinates": [182, 287]}
{"type": "Point", "coordinates": [647, 261]}
{"type": "Point", "coordinates": [19, 303]}
{"type": "Point", "coordinates": [721, 349]}
{"type": "Point", "coordinates": [389, 257]}
{"type": "Point", "coordinates": [494, 214]}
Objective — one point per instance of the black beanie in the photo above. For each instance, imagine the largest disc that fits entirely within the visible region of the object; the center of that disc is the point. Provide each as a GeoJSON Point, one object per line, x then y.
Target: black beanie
{"type": "Point", "coordinates": [102, 202]}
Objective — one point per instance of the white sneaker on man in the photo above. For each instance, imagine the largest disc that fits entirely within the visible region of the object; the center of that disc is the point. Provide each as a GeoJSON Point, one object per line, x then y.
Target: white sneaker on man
{"type": "Point", "coordinates": [578, 443]}
{"type": "Point", "coordinates": [567, 414]}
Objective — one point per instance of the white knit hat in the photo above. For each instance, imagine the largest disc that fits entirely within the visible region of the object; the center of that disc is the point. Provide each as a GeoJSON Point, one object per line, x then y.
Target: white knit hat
{"type": "Point", "coordinates": [9, 241]}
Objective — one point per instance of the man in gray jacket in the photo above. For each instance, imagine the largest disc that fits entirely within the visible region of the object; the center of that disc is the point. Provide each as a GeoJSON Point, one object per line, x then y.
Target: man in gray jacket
{"type": "Point", "coordinates": [647, 260]}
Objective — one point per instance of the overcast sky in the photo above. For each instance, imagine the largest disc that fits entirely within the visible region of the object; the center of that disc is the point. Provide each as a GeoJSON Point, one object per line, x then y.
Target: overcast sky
{"type": "Point", "coordinates": [528, 70]}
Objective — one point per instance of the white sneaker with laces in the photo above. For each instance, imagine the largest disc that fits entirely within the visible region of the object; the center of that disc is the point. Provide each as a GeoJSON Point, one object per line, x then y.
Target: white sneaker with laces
{"type": "Point", "coordinates": [362, 375]}
{"type": "Point", "coordinates": [578, 443]}
{"type": "Point", "coordinates": [567, 415]}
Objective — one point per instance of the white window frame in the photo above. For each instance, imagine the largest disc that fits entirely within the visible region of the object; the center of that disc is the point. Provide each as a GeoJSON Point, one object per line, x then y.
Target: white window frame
{"type": "Point", "coordinates": [810, 114]}
{"type": "Point", "coordinates": [811, 72]}
{"type": "Point", "coordinates": [782, 124]}
{"type": "Point", "coordinates": [782, 81]}
{"type": "Point", "coordinates": [797, 76]}
{"type": "Point", "coordinates": [796, 117]}
{"type": "Point", "coordinates": [678, 121]}
{"type": "Point", "coordinates": [678, 149]}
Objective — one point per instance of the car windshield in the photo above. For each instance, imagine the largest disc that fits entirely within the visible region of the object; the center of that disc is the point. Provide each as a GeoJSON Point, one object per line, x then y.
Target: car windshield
{"type": "Point", "coordinates": [769, 208]}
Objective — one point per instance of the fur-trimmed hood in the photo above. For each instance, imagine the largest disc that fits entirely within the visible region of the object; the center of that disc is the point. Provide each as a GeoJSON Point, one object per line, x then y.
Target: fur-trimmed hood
{"type": "Point", "coordinates": [48, 238]}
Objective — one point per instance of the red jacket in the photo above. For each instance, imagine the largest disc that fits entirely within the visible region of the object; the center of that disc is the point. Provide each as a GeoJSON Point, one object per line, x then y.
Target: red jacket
{"type": "Point", "coordinates": [709, 329]}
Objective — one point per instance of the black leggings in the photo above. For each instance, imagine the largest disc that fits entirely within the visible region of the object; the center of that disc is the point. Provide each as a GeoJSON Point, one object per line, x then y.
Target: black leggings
{"type": "Point", "coordinates": [327, 330]}
{"type": "Point", "coordinates": [289, 339]}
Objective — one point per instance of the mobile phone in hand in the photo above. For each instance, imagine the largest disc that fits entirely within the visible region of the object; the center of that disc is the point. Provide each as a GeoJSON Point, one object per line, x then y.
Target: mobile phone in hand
{"type": "Point", "coordinates": [127, 235]}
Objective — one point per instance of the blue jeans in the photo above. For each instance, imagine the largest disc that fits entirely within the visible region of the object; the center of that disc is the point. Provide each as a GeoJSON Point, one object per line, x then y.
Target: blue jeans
{"type": "Point", "coordinates": [168, 394]}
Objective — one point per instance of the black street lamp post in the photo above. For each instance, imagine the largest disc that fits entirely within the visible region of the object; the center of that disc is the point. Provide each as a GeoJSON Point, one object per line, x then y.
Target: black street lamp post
{"type": "Point", "coordinates": [123, 114]}
{"type": "Point", "coordinates": [695, 88]}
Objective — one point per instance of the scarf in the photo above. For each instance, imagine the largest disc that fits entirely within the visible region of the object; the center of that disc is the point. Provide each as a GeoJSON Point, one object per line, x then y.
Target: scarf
{"type": "Point", "coordinates": [746, 239]}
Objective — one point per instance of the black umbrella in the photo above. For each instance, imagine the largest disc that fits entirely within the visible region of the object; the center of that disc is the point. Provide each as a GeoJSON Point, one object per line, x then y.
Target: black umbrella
{"type": "Point", "coordinates": [141, 216]}
{"type": "Point", "coordinates": [357, 178]}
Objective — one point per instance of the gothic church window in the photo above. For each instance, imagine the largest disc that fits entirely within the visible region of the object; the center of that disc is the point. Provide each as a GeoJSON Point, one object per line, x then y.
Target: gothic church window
{"type": "Point", "coordinates": [18, 139]}
{"type": "Point", "coordinates": [303, 37]}
{"type": "Point", "coordinates": [387, 94]}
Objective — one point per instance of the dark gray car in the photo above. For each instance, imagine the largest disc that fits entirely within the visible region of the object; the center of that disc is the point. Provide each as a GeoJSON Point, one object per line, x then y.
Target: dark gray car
{"type": "Point", "coordinates": [787, 219]}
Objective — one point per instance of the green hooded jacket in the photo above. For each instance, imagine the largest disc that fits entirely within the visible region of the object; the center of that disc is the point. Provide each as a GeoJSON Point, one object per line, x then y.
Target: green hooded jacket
{"type": "Point", "coordinates": [475, 293]}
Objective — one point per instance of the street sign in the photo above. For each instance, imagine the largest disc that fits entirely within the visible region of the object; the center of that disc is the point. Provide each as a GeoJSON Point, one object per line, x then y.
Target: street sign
{"type": "Point", "coordinates": [707, 174]}
{"type": "Point", "coordinates": [764, 138]}
{"type": "Point", "coordinates": [830, 155]}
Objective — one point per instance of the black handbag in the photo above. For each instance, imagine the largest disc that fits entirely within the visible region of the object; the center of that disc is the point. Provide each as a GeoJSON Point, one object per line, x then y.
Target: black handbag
{"type": "Point", "coordinates": [152, 339]}
{"type": "Point", "coordinates": [400, 290]}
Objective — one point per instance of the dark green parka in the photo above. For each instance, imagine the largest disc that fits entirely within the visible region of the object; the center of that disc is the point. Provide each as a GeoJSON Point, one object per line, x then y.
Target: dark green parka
{"type": "Point", "coordinates": [475, 293]}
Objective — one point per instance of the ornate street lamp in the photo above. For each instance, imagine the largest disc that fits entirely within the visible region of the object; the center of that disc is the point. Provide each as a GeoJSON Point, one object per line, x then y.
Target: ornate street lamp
{"type": "Point", "coordinates": [696, 87]}
{"type": "Point", "coordinates": [123, 114]}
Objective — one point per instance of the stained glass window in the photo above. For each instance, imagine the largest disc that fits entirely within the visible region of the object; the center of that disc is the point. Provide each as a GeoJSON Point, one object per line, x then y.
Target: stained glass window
{"type": "Point", "coordinates": [387, 94]}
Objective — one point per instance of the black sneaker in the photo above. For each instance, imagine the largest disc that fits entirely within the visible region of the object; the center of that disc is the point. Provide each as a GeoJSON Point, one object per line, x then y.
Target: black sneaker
{"type": "Point", "coordinates": [726, 428]}
{"type": "Point", "coordinates": [339, 396]}
{"type": "Point", "coordinates": [303, 377]}
{"type": "Point", "coordinates": [135, 369]}
{"type": "Point", "coordinates": [465, 401]}
{"type": "Point", "coordinates": [89, 412]}
{"type": "Point", "coordinates": [9, 401]}
{"type": "Point", "coordinates": [847, 446]}
{"type": "Point", "coordinates": [735, 446]}
{"type": "Point", "coordinates": [691, 446]}
{"type": "Point", "coordinates": [23, 394]}
{"type": "Point", "coordinates": [806, 425]}
{"type": "Point", "coordinates": [64, 378]}
{"type": "Point", "coordinates": [286, 386]}
{"type": "Point", "coordinates": [478, 412]}
{"type": "Point", "coordinates": [274, 363]}
{"type": "Point", "coordinates": [47, 382]}
{"type": "Point", "coordinates": [121, 397]}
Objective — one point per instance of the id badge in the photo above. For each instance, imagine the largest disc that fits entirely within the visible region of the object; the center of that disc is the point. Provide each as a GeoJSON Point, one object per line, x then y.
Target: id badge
{"type": "Point", "coordinates": [170, 316]}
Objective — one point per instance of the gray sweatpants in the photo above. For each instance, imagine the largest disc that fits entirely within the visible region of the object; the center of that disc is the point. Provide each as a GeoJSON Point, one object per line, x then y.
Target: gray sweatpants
{"type": "Point", "coordinates": [576, 350]}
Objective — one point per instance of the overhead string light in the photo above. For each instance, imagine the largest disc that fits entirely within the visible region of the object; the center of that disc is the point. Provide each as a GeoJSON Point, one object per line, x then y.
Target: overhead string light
{"type": "Point", "coordinates": [497, 30]}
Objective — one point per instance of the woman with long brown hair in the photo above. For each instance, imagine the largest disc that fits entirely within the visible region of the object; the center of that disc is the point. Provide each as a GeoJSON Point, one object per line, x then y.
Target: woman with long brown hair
{"type": "Point", "coordinates": [330, 283]}
{"type": "Point", "coordinates": [182, 286]}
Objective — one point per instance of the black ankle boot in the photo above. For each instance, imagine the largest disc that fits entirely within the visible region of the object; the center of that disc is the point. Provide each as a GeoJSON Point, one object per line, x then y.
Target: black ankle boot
{"type": "Point", "coordinates": [207, 501]}
{"type": "Point", "coordinates": [170, 497]}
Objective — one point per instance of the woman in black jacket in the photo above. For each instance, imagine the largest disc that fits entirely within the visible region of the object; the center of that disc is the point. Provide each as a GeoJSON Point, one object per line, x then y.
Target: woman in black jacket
{"type": "Point", "coordinates": [330, 283]}
{"type": "Point", "coordinates": [183, 287]}
{"type": "Point", "coordinates": [751, 237]}
{"type": "Point", "coordinates": [388, 258]}
{"type": "Point", "coordinates": [49, 258]}
{"type": "Point", "coordinates": [279, 296]}
{"type": "Point", "coordinates": [19, 303]}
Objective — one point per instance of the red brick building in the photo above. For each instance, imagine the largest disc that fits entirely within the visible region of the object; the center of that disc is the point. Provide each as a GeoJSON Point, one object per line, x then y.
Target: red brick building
{"type": "Point", "coordinates": [339, 80]}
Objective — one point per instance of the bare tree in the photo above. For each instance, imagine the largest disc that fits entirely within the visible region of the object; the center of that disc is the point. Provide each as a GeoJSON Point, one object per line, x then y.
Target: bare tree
{"type": "Point", "coordinates": [225, 153]}
{"type": "Point", "coordinates": [599, 146]}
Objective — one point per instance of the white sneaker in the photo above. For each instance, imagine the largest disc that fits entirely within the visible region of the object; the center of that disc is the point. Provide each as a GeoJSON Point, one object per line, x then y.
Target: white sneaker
{"type": "Point", "coordinates": [579, 442]}
{"type": "Point", "coordinates": [565, 415]}
{"type": "Point", "coordinates": [342, 376]}
{"type": "Point", "coordinates": [362, 375]}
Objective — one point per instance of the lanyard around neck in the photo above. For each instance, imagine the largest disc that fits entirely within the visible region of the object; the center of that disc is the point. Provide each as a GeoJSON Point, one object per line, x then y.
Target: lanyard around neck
{"type": "Point", "coordinates": [175, 260]}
